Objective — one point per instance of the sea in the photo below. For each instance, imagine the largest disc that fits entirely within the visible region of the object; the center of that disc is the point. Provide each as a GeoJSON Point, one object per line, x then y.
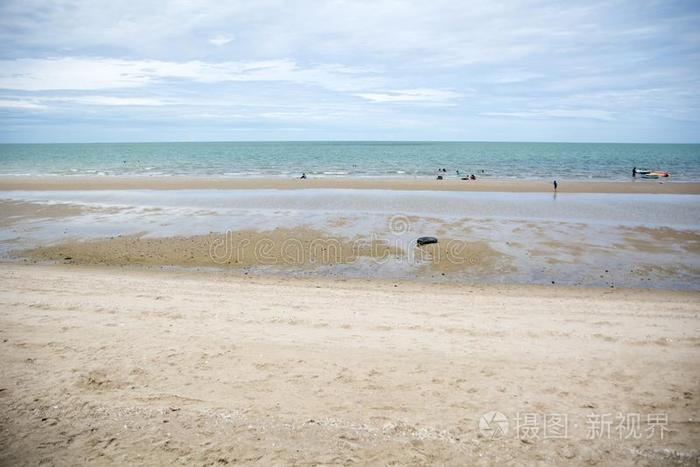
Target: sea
{"type": "Point", "coordinates": [573, 161]}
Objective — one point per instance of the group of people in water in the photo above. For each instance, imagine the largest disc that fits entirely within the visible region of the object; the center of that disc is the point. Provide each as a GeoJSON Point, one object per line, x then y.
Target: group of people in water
{"type": "Point", "coordinates": [439, 177]}
{"type": "Point", "coordinates": [462, 177]}
{"type": "Point", "coordinates": [473, 177]}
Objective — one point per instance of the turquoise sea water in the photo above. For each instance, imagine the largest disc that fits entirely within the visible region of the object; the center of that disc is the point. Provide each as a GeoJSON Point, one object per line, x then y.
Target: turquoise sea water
{"type": "Point", "coordinates": [355, 159]}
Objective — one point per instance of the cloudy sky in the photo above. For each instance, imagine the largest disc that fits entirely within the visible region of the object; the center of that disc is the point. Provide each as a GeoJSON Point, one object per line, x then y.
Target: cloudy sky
{"type": "Point", "coordinates": [511, 70]}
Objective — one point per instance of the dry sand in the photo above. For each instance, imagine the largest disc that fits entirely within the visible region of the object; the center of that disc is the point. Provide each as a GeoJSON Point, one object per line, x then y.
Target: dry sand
{"type": "Point", "coordinates": [108, 366]}
{"type": "Point", "coordinates": [179, 183]}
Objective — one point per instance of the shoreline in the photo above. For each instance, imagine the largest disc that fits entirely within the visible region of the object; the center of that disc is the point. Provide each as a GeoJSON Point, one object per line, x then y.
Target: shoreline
{"type": "Point", "coordinates": [265, 279]}
{"type": "Point", "coordinates": [650, 295]}
{"type": "Point", "coordinates": [71, 183]}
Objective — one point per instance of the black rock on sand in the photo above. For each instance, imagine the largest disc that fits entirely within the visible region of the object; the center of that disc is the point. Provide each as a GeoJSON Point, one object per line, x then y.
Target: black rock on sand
{"type": "Point", "coordinates": [426, 241]}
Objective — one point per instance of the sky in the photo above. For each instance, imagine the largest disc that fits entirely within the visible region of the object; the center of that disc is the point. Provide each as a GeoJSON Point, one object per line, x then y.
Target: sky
{"type": "Point", "coordinates": [503, 70]}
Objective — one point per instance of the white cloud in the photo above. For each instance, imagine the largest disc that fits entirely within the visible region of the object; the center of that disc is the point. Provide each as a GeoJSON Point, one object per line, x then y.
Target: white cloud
{"type": "Point", "coordinates": [411, 95]}
{"type": "Point", "coordinates": [116, 101]}
{"type": "Point", "coordinates": [220, 40]}
{"type": "Point", "coordinates": [20, 104]}
{"type": "Point", "coordinates": [511, 77]}
{"type": "Point", "coordinates": [440, 32]}
{"type": "Point", "coordinates": [306, 115]}
{"type": "Point", "coordinates": [547, 61]}
{"type": "Point", "coordinates": [69, 73]}
{"type": "Point", "coordinates": [556, 113]}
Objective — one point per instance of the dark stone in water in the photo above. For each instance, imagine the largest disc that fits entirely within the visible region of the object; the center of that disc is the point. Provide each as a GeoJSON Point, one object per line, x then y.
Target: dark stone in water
{"type": "Point", "coordinates": [439, 177]}
{"type": "Point", "coordinates": [426, 240]}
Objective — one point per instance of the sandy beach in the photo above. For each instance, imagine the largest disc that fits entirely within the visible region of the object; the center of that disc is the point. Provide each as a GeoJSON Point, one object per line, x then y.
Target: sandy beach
{"type": "Point", "coordinates": [106, 366]}
{"type": "Point", "coordinates": [482, 185]}
{"type": "Point", "coordinates": [154, 325]}
{"type": "Point", "coordinates": [386, 233]}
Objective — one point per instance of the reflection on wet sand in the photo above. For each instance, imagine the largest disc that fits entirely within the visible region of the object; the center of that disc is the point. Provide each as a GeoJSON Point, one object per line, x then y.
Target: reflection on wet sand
{"type": "Point", "coordinates": [500, 238]}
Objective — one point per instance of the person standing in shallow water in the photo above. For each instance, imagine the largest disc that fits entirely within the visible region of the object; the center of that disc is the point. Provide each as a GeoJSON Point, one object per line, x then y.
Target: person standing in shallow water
{"type": "Point", "coordinates": [556, 185]}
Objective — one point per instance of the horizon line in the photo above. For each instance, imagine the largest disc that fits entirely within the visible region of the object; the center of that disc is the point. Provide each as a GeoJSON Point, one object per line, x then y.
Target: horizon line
{"type": "Point", "coordinates": [344, 141]}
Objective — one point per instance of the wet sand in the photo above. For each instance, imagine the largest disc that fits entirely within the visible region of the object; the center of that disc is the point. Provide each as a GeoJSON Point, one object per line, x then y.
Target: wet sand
{"type": "Point", "coordinates": [237, 249]}
{"type": "Point", "coordinates": [107, 366]}
{"type": "Point", "coordinates": [350, 242]}
{"type": "Point", "coordinates": [12, 212]}
{"type": "Point", "coordinates": [483, 185]}
{"type": "Point", "coordinates": [283, 249]}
